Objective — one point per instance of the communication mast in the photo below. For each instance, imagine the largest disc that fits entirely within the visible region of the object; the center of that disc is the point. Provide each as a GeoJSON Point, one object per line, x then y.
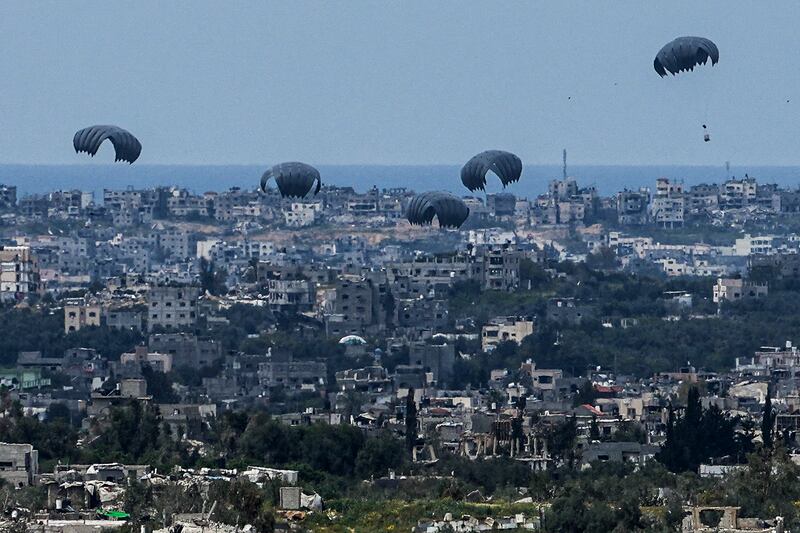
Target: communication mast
{"type": "Point", "coordinates": [564, 164]}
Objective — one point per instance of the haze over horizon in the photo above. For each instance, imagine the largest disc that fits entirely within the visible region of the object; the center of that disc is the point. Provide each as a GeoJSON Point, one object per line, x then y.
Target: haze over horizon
{"type": "Point", "coordinates": [414, 83]}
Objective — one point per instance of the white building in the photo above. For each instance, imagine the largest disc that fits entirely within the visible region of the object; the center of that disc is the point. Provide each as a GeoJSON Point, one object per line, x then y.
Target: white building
{"type": "Point", "coordinates": [19, 273]}
{"type": "Point", "coordinates": [302, 214]}
{"type": "Point", "coordinates": [503, 329]}
{"type": "Point", "coordinates": [757, 245]}
{"type": "Point", "coordinates": [667, 211]}
{"type": "Point", "coordinates": [207, 248]}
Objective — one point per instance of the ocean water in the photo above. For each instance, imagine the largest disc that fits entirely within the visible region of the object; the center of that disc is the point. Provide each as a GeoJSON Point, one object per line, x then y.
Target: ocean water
{"type": "Point", "coordinates": [31, 179]}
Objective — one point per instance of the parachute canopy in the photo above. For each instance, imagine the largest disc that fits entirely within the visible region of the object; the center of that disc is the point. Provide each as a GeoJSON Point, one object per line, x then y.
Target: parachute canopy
{"type": "Point", "coordinates": [685, 53]}
{"type": "Point", "coordinates": [126, 146]}
{"type": "Point", "coordinates": [450, 210]}
{"type": "Point", "coordinates": [295, 180]}
{"type": "Point", "coordinates": [506, 165]}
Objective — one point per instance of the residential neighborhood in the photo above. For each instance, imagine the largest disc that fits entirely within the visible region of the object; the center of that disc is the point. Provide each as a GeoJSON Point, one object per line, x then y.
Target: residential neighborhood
{"type": "Point", "coordinates": [193, 310]}
{"type": "Point", "coordinates": [384, 267]}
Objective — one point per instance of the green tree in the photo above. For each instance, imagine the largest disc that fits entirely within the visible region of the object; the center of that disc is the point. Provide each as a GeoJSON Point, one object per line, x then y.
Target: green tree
{"type": "Point", "coordinates": [159, 385]}
{"type": "Point", "coordinates": [411, 420]}
{"type": "Point", "coordinates": [532, 274]}
{"type": "Point", "coordinates": [630, 431]}
{"type": "Point", "coordinates": [629, 516]}
{"type": "Point", "coordinates": [586, 394]}
{"type": "Point", "coordinates": [769, 486]}
{"type": "Point", "coordinates": [577, 512]}
{"type": "Point", "coordinates": [672, 454]}
{"type": "Point", "coordinates": [59, 411]}
{"type": "Point", "coordinates": [767, 421]}
{"type": "Point", "coordinates": [379, 455]}
{"type": "Point", "coordinates": [700, 435]}
{"type": "Point", "coordinates": [605, 258]}
{"type": "Point", "coordinates": [594, 429]}
{"type": "Point", "coordinates": [241, 502]}
{"type": "Point", "coordinates": [688, 428]}
{"type": "Point", "coordinates": [137, 500]}
{"type": "Point", "coordinates": [561, 440]}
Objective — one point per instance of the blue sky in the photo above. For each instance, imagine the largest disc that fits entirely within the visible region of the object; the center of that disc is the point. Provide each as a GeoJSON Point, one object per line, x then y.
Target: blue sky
{"type": "Point", "coordinates": [416, 82]}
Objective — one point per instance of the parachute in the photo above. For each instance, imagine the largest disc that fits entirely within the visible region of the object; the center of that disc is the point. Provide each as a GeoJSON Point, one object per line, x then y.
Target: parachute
{"type": "Point", "coordinates": [295, 180]}
{"type": "Point", "coordinates": [505, 165]}
{"type": "Point", "coordinates": [685, 53]}
{"type": "Point", "coordinates": [450, 210]}
{"type": "Point", "coordinates": [126, 146]}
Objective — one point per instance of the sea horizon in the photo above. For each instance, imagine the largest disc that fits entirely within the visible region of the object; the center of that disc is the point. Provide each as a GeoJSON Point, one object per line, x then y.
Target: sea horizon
{"type": "Point", "coordinates": [609, 179]}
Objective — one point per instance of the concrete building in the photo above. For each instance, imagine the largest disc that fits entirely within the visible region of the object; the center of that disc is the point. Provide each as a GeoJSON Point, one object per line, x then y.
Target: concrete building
{"type": "Point", "coordinates": [172, 307]}
{"type": "Point", "coordinates": [774, 357]}
{"type": "Point", "coordinates": [174, 243]}
{"type": "Point", "coordinates": [302, 214]}
{"type": "Point", "coordinates": [423, 312]}
{"type": "Point", "coordinates": [127, 390]}
{"type": "Point", "coordinates": [186, 349]}
{"type": "Point", "coordinates": [620, 452]}
{"type": "Point", "coordinates": [498, 267]}
{"type": "Point", "coordinates": [19, 273]}
{"type": "Point", "coordinates": [738, 193]}
{"type": "Point", "coordinates": [292, 375]}
{"type": "Point", "coordinates": [179, 417]}
{"type": "Point", "coordinates": [162, 362]}
{"type": "Point", "coordinates": [430, 271]}
{"type": "Point", "coordinates": [568, 310]}
{"type": "Point", "coordinates": [632, 207]}
{"type": "Point", "coordinates": [290, 294]}
{"type": "Point", "coordinates": [543, 379]}
{"type": "Point", "coordinates": [783, 265]}
{"type": "Point", "coordinates": [667, 187]}
{"type": "Point", "coordinates": [435, 358]}
{"type": "Point", "coordinates": [355, 306]}
{"type": "Point", "coordinates": [501, 329]}
{"type": "Point", "coordinates": [668, 205]}
{"type": "Point", "coordinates": [79, 314]}
{"type": "Point", "coordinates": [74, 254]}
{"type": "Point", "coordinates": [667, 211]}
{"type": "Point", "coordinates": [703, 197]}
{"type": "Point", "coordinates": [354, 300]}
{"type": "Point", "coordinates": [753, 245]}
{"type": "Point", "coordinates": [288, 288]}
{"type": "Point", "coordinates": [125, 317]}
{"type": "Point", "coordinates": [19, 464]}
{"type": "Point", "coordinates": [571, 211]}
{"type": "Point", "coordinates": [501, 204]}
{"type": "Point", "coordinates": [181, 203]}
{"type": "Point", "coordinates": [733, 289]}
{"type": "Point", "coordinates": [786, 202]}
{"type": "Point", "coordinates": [8, 196]}
{"type": "Point", "coordinates": [563, 189]}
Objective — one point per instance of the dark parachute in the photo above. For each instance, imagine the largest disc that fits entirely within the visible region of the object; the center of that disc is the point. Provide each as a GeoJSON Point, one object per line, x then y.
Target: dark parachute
{"type": "Point", "coordinates": [295, 180]}
{"type": "Point", "coordinates": [450, 210]}
{"type": "Point", "coordinates": [685, 53]}
{"type": "Point", "coordinates": [126, 146]}
{"type": "Point", "coordinates": [506, 165]}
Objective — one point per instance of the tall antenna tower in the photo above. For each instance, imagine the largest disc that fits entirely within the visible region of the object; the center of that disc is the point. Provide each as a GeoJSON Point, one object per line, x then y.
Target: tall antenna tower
{"type": "Point", "coordinates": [564, 164]}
